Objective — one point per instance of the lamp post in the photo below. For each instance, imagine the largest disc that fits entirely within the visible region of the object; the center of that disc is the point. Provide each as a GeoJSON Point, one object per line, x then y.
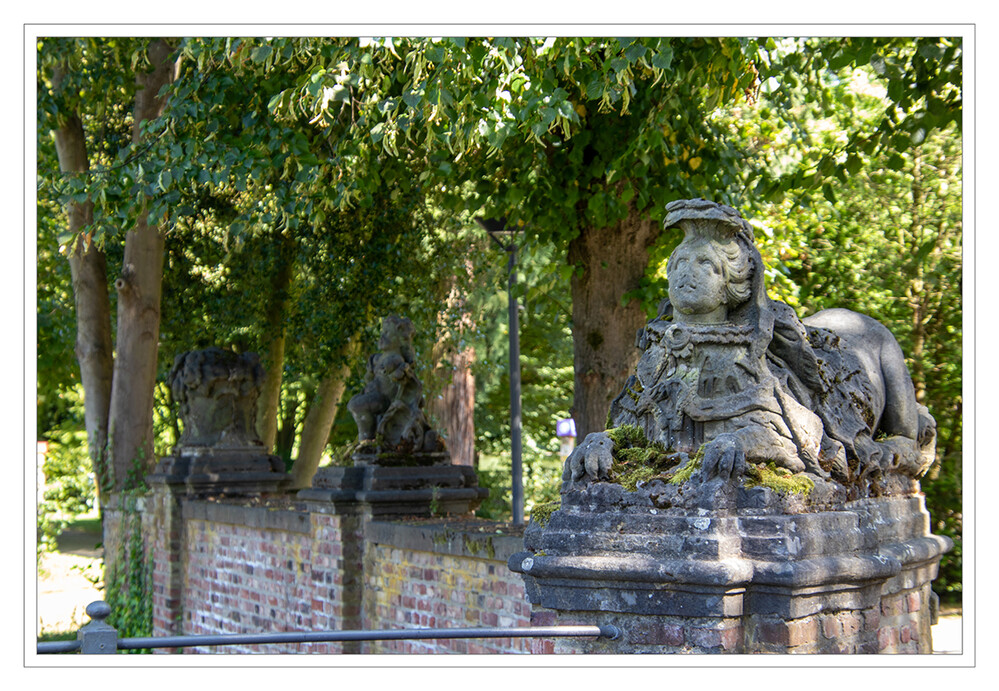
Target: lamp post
{"type": "Point", "coordinates": [498, 227]}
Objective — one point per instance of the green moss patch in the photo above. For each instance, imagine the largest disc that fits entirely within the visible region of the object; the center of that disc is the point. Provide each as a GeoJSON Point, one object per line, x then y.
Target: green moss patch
{"type": "Point", "coordinates": [542, 513]}
{"type": "Point", "coordinates": [779, 479]}
{"type": "Point", "coordinates": [628, 436]}
{"type": "Point", "coordinates": [636, 459]}
{"type": "Point", "coordinates": [684, 473]}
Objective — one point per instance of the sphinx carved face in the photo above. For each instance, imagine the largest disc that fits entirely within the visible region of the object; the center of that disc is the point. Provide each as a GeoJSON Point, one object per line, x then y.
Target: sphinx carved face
{"type": "Point", "coordinates": [698, 281]}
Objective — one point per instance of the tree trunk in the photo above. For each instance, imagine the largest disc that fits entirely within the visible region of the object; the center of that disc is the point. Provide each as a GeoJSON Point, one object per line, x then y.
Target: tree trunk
{"type": "Point", "coordinates": [614, 260]}
{"type": "Point", "coordinates": [139, 289]}
{"type": "Point", "coordinates": [284, 440]}
{"type": "Point", "coordinates": [919, 299]}
{"type": "Point", "coordinates": [270, 394]}
{"type": "Point", "coordinates": [319, 420]}
{"type": "Point", "coordinates": [455, 407]}
{"type": "Point", "coordinates": [88, 267]}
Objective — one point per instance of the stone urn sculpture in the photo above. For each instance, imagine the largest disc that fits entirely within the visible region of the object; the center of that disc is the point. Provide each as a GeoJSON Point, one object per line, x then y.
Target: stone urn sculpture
{"type": "Point", "coordinates": [757, 487]}
{"type": "Point", "coordinates": [219, 450]}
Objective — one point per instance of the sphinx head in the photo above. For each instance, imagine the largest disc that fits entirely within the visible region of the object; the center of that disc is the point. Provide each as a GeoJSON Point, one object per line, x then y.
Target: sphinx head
{"type": "Point", "coordinates": [709, 273]}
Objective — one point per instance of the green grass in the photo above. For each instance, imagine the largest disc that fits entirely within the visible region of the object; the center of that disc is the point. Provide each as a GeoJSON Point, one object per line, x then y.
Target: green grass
{"type": "Point", "coordinates": [87, 523]}
{"type": "Point", "coordinates": [48, 636]}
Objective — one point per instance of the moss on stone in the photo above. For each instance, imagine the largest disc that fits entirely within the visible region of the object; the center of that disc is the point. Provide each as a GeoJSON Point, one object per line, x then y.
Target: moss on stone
{"type": "Point", "coordinates": [541, 513]}
{"type": "Point", "coordinates": [631, 476]}
{"type": "Point", "coordinates": [628, 436]}
{"type": "Point", "coordinates": [779, 479]}
{"type": "Point", "coordinates": [636, 459]}
{"type": "Point", "coordinates": [687, 470]}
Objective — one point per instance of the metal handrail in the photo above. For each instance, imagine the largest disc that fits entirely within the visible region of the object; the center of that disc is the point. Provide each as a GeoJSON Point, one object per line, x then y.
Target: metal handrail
{"type": "Point", "coordinates": [98, 637]}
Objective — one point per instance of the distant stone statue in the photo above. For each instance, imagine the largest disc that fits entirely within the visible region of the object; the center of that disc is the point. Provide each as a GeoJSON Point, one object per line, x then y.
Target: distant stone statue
{"type": "Point", "coordinates": [732, 376]}
{"type": "Point", "coordinates": [389, 411]}
{"type": "Point", "coordinates": [219, 451]}
{"type": "Point", "coordinates": [216, 391]}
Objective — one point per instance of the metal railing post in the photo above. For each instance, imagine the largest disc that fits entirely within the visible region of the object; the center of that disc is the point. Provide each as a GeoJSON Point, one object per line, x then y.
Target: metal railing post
{"type": "Point", "coordinates": [98, 637]}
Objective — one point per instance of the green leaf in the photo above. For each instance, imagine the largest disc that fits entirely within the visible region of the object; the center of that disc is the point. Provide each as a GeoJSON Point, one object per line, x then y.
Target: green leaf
{"type": "Point", "coordinates": [595, 89]}
{"type": "Point", "coordinates": [932, 51]}
{"type": "Point", "coordinates": [261, 53]}
{"type": "Point", "coordinates": [635, 52]}
{"type": "Point", "coordinates": [878, 64]}
{"type": "Point", "coordinates": [663, 59]}
{"type": "Point", "coordinates": [841, 59]}
{"type": "Point", "coordinates": [924, 250]}
{"type": "Point", "coordinates": [896, 162]}
{"type": "Point", "coordinates": [435, 53]}
{"type": "Point", "coordinates": [827, 192]}
{"type": "Point", "coordinates": [412, 98]}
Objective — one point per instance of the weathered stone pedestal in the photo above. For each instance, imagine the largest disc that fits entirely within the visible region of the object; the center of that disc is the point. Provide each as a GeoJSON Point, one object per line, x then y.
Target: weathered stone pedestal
{"type": "Point", "coordinates": [424, 486]}
{"type": "Point", "coordinates": [219, 452]}
{"type": "Point", "coordinates": [851, 579]}
{"type": "Point", "coordinates": [200, 471]}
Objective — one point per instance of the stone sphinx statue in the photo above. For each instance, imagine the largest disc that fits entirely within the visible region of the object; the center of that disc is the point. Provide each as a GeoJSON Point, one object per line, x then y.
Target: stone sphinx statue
{"type": "Point", "coordinates": [389, 411]}
{"type": "Point", "coordinates": [728, 376]}
{"type": "Point", "coordinates": [757, 480]}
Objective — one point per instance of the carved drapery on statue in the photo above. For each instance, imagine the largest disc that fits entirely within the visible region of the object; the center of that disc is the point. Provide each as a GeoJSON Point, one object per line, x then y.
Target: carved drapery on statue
{"type": "Point", "coordinates": [732, 377]}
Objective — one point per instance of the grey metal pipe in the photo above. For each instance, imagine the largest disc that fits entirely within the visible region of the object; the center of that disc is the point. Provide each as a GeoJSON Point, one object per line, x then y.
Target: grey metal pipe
{"type": "Point", "coordinates": [605, 631]}
{"type": "Point", "coordinates": [516, 452]}
{"type": "Point", "coordinates": [58, 647]}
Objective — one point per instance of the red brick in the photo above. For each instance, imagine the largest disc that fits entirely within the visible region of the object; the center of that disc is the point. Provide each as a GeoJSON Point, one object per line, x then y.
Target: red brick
{"type": "Point", "coordinates": [893, 606]}
{"type": "Point", "coordinates": [731, 639]}
{"type": "Point", "coordinates": [802, 631]}
{"type": "Point", "coordinates": [773, 632]}
{"type": "Point", "coordinates": [887, 638]}
{"type": "Point", "coordinates": [852, 623]}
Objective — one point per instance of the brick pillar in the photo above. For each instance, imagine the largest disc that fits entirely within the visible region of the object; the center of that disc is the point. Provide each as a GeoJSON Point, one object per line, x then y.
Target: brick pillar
{"type": "Point", "coordinates": [164, 527]}
{"type": "Point", "coordinates": [364, 492]}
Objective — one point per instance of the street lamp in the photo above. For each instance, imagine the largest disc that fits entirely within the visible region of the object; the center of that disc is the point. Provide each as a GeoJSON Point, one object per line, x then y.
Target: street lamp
{"type": "Point", "coordinates": [496, 228]}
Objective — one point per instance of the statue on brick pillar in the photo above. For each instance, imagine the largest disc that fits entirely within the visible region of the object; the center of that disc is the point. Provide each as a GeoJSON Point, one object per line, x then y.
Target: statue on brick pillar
{"type": "Point", "coordinates": [389, 411]}
{"type": "Point", "coordinates": [216, 391]}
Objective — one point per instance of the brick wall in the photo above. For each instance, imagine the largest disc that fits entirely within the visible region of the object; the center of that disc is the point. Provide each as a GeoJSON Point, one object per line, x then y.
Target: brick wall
{"type": "Point", "coordinates": [253, 570]}
{"type": "Point", "coordinates": [439, 576]}
{"type": "Point", "coordinates": [241, 568]}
